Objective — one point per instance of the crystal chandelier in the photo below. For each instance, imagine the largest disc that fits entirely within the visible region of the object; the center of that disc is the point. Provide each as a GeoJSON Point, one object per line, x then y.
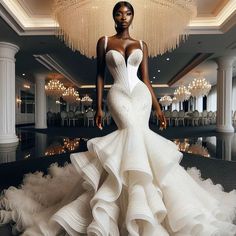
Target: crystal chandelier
{"type": "Point", "coordinates": [160, 23]}
{"type": "Point", "coordinates": [70, 95]}
{"type": "Point", "coordinates": [182, 93]}
{"type": "Point", "coordinates": [54, 88]}
{"type": "Point", "coordinates": [86, 100]}
{"type": "Point", "coordinates": [165, 100]}
{"type": "Point", "coordinates": [174, 100]}
{"type": "Point", "coordinates": [199, 87]}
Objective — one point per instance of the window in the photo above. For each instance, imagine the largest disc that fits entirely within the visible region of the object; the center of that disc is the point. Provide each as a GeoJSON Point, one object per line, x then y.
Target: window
{"type": "Point", "coordinates": [27, 104]}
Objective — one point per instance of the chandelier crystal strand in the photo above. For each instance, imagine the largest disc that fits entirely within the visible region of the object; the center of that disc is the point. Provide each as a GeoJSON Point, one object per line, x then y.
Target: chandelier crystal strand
{"type": "Point", "coordinates": [182, 93]}
{"type": "Point", "coordinates": [70, 95]}
{"type": "Point", "coordinates": [160, 23]}
{"type": "Point", "coordinates": [54, 88]}
{"type": "Point", "coordinates": [165, 100]}
{"type": "Point", "coordinates": [199, 87]}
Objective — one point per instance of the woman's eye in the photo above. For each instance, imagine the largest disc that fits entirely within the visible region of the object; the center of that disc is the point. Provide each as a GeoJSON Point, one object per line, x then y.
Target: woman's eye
{"type": "Point", "coordinates": [129, 14]}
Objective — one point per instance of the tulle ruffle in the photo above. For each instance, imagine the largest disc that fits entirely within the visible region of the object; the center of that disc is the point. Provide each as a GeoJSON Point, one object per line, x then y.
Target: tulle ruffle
{"type": "Point", "coordinates": [128, 183]}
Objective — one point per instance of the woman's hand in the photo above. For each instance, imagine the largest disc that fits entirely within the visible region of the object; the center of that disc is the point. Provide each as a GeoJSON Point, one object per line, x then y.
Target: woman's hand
{"type": "Point", "coordinates": [98, 119]}
{"type": "Point", "coordinates": [162, 119]}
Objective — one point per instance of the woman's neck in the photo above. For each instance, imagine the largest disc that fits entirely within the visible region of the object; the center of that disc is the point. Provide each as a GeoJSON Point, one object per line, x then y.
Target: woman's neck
{"type": "Point", "coordinates": [123, 34]}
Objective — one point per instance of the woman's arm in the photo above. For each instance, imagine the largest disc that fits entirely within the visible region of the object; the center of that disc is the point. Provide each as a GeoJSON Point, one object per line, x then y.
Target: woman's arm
{"type": "Point", "coordinates": [100, 80]}
{"type": "Point", "coordinates": [145, 79]}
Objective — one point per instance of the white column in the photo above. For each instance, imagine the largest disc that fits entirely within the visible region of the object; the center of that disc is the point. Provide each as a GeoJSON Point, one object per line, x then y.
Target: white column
{"type": "Point", "coordinates": [7, 93]}
{"type": "Point", "coordinates": [8, 152]}
{"type": "Point", "coordinates": [199, 104]}
{"type": "Point", "coordinates": [40, 102]}
{"type": "Point", "coordinates": [224, 94]}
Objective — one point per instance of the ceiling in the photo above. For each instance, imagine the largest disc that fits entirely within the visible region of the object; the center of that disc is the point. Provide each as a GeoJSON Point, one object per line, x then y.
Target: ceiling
{"type": "Point", "coordinates": [206, 43]}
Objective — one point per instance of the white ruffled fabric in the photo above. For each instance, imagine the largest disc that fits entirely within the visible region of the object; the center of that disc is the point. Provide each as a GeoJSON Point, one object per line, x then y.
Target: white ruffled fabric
{"type": "Point", "coordinates": [120, 186]}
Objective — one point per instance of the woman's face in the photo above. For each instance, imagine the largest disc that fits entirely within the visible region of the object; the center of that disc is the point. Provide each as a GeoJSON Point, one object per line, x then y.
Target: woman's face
{"type": "Point", "coordinates": [123, 17]}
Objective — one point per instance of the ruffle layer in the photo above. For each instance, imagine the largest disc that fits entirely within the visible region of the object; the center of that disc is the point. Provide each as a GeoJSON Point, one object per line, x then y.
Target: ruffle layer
{"type": "Point", "coordinates": [128, 183]}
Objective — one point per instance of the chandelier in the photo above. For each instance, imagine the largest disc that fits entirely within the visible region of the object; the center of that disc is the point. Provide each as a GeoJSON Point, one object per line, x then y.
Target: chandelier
{"type": "Point", "coordinates": [165, 100]}
{"type": "Point", "coordinates": [54, 88]}
{"type": "Point", "coordinates": [86, 100]}
{"type": "Point", "coordinates": [199, 87]}
{"type": "Point", "coordinates": [174, 100]}
{"type": "Point", "coordinates": [198, 149]}
{"type": "Point", "coordinates": [160, 23]}
{"type": "Point", "coordinates": [70, 95]}
{"type": "Point", "coordinates": [54, 150]}
{"type": "Point", "coordinates": [182, 93]}
{"type": "Point", "coordinates": [71, 144]}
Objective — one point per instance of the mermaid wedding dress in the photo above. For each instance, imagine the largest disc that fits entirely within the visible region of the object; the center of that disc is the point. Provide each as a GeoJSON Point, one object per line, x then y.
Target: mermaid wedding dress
{"type": "Point", "coordinates": [129, 182]}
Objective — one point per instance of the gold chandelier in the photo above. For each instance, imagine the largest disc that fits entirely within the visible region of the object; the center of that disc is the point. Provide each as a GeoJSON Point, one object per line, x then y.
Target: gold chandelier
{"type": "Point", "coordinates": [199, 87]}
{"type": "Point", "coordinates": [160, 23]}
{"type": "Point", "coordinates": [165, 100]}
{"type": "Point", "coordinates": [182, 93]}
{"type": "Point", "coordinates": [54, 88]}
{"type": "Point", "coordinates": [86, 100]}
{"type": "Point", "coordinates": [70, 95]}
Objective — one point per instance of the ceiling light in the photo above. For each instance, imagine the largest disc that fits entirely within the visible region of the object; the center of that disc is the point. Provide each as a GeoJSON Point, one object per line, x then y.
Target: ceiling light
{"type": "Point", "coordinates": [182, 93]}
{"type": "Point", "coordinates": [167, 58]}
{"type": "Point", "coordinates": [159, 71]}
{"type": "Point", "coordinates": [172, 17]}
{"type": "Point", "coordinates": [165, 100]}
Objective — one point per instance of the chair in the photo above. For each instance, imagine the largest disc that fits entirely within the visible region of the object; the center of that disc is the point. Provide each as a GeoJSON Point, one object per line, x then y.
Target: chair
{"type": "Point", "coordinates": [174, 116]}
{"type": "Point", "coordinates": [210, 117]}
{"type": "Point", "coordinates": [49, 118]}
{"type": "Point", "coordinates": [204, 118]}
{"type": "Point", "coordinates": [89, 117]}
{"type": "Point", "coordinates": [71, 117]}
{"type": "Point", "coordinates": [180, 118]}
{"type": "Point", "coordinates": [195, 118]}
{"type": "Point", "coordinates": [167, 116]}
{"type": "Point", "coordinates": [107, 118]}
{"type": "Point", "coordinates": [64, 118]}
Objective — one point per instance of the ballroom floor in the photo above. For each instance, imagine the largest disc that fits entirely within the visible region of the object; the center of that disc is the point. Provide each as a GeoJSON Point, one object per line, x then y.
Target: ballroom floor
{"type": "Point", "coordinates": [215, 154]}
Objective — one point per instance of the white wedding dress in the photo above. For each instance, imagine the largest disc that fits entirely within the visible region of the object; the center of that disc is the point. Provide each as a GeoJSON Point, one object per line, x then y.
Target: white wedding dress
{"type": "Point", "coordinates": [129, 182]}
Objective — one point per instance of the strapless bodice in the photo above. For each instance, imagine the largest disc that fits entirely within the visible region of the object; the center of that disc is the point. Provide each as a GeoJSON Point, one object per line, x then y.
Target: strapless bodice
{"type": "Point", "coordinates": [124, 71]}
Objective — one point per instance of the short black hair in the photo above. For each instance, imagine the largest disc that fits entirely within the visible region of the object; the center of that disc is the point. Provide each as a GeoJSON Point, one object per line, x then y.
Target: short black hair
{"type": "Point", "coordinates": [121, 4]}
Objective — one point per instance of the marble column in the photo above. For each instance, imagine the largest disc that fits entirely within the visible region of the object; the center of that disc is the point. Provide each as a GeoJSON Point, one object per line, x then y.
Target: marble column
{"type": "Point", "coordinates": [40, 102]}
{"type": "Point", "coordinates": [8, 152]}
{"type": "Point", "coordinates": [7, 93]}
{"type": "Point", "coordinates": [224, 94]}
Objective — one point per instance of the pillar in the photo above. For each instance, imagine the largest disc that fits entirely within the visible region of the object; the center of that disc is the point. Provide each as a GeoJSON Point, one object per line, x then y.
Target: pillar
{"type": "Point", "coordinates": [224, 94]}
{"type": "Point", "coordinates": [7, 93]}
{"type": "Point", "coordinates": [40, 102]}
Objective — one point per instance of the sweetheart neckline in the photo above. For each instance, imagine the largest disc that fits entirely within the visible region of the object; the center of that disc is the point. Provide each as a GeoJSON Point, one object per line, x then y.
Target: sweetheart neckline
{"type": "Point", "coordinates": [125, 60]}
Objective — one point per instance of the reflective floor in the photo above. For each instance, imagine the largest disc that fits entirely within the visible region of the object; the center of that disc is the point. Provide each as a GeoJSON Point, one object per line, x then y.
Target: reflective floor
{"type": "Point", "coordinates": [35, 145]}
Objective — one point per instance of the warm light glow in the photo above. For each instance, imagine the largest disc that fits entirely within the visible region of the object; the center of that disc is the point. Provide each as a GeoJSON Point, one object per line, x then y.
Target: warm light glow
{"type": "Point", "coordinates": [70, 95]}
{"type": "Point", "coordinates": [165, 100]}
{"type": "Point", "coordinates": [199, 87]}
{"type": "Point", "coordinates": [54, 88]}
{"type": "Point", "coordinates": [182, 93]}
{"type": "Point", "coordinates": [26, 86]}
{"type": "Point", "coordinates": [86, 100]}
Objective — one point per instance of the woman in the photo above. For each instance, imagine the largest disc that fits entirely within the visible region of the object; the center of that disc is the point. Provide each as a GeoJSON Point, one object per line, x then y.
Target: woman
{"type": "Point", "coordinates": [128, 182]}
